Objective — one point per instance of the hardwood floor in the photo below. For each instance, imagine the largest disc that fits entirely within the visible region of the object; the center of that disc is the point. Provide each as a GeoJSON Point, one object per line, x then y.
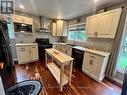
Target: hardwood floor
{"type": "Point", "coordinates": [81, 84]}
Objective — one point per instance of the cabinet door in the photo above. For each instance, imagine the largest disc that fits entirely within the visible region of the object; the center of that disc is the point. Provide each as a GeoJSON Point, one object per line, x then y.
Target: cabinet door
{"type": "Point", "coordinates": [92, 26]}
{"type": "Point", "coordinates": [17, 18]}
{"type": "Point", "coordinates": [68, 51]}
{"type": "Point", "coordinates": [108, 23]}
{"type": "Point", "coordinates": [34, 52]}
{"type": "Point", "coordinates": [96, 65]}
{"type": "Point", "coordinates": [86, 63]}
{"type": "Point", "coordinates": [65, 28]}
{"type": "Point", "coordinates": [23, 54]}
{"type": "Point", "coordinates": [54, 31]}
{"type": "Point", "coordinates": [59, 28]}
{"type": "Point", "coordinates": [28, 20]}
{"type": "Point", "coordinates": [61, 48]}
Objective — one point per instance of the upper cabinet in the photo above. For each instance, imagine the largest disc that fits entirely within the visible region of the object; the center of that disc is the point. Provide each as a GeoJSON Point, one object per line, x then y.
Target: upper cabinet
{"type": "Point", "coordinates": [22, 19]}
{"type": "Point", "coordinates": [103, 25]}
{"type": "Point", "coordinates": [54, 29]}
{"type": "Point", "coordinates": [60, 28]}
{"type": "Point", "coordinates": [92, 26]}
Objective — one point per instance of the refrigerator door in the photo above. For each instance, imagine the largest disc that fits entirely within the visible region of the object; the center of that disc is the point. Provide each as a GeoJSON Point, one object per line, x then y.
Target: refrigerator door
{"type": "Point", "coordinates": [5, 47]}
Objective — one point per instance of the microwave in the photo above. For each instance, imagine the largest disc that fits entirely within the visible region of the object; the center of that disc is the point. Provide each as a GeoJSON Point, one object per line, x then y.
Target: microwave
{"type": "Point", "coordinates": [24, 28]}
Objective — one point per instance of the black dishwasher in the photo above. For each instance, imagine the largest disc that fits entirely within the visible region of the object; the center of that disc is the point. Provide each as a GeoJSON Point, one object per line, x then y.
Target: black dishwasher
{"type": "Point", "coordinates": [78, 56]}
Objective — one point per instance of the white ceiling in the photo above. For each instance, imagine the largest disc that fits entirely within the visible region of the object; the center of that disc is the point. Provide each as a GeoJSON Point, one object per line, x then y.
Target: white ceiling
{"type": "Point", "coordinates": [66, 9]}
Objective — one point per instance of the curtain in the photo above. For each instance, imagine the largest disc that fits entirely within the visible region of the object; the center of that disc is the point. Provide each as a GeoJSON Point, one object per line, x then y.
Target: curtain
{"type": "Point", "coordinates": [112, 64]}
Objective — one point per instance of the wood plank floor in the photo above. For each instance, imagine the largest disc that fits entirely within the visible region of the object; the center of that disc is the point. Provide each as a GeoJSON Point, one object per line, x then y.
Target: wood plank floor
{"type": "Point", "coordinates": [81, 84]}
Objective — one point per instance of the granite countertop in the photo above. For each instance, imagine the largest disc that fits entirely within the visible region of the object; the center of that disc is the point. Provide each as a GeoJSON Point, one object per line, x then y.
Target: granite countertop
{"type": "Point", "coordinates": [102, 53]}
{"type": "Point", "coordinates": [26, 44]}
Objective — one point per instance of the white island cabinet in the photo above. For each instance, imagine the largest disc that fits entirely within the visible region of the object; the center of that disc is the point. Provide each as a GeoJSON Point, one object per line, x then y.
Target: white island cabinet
{"type": "Point", "coordinates": [27, 52]}
{"type": "Point", "coordinates": [60, 65]}
{"type": "Point", "coordinates": [62, 47]}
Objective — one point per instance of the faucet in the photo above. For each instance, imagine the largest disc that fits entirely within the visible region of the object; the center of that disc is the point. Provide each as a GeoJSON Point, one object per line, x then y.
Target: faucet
{"type": "Point", "coordinates": [21, 41]}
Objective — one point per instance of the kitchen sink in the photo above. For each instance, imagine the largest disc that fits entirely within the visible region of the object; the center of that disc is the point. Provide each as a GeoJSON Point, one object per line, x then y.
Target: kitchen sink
{"type": "Point", "coordinates": [71, 45]}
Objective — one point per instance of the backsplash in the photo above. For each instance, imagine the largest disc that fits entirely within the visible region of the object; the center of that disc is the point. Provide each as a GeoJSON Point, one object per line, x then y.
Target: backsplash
{"type": "Point", "coordinates": [100, 44]}
{"type": "Point", "coordinates": [31, 38]}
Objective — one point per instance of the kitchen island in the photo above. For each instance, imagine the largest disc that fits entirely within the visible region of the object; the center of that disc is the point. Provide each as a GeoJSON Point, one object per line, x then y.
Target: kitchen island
{"type": "Point", "coordinates": [60, 65]}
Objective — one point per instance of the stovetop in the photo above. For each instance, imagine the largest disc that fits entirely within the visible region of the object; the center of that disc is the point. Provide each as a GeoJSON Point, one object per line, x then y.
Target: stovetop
{"type": "Point", "coordinates": [42, 41]}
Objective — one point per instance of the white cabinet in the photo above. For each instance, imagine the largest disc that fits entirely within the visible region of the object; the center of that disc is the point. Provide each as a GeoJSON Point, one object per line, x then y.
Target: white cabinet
{"type": "Point", "coordinates": [63, 48]}
{"type": "Point", "coordinates": [103, 25]}
{"type": "Point", "coordinates": [59, 28]}
{"type": "Point", "coordinates": [92, 26]}
{"type": "Point", "coordinates": [33, 52]}
{"type": "Point", "coordinates": [22, 19]}
{"type": "Point", "coordinates": [23, 54]}
{"type": "Point", "coordinates": [95, 65]}
{"type": "Point", "coordinates": [54, 33]}
{"type": "Point", "coordinates": [56, 46]}
{"type": "Point", "coordinates": [27, 53]}
{"type": "Point", "coordinates": [108, 23]}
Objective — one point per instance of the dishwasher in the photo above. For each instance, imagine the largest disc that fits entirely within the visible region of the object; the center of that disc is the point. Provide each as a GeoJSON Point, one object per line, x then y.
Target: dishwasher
{"type": "Point", "coordinates": [78, 56]}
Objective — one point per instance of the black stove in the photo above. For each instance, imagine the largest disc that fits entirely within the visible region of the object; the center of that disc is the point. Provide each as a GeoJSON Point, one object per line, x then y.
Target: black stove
{"type": "Point", "coordinates": [43, 43]}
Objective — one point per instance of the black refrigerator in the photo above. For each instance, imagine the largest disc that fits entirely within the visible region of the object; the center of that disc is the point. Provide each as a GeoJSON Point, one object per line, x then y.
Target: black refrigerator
{"type": "Point", "coordinates": [6, 60]}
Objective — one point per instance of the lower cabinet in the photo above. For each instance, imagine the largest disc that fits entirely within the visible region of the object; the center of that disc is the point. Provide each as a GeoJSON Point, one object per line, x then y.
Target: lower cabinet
{"type": "Point", "coordinates": [26, 54]}
{"type": "Point", "coordinates": [95, 65]}
{"type": "Point", "coordinates": [33, 53]}
{"type": "Point", "coordinates": [63, 48]}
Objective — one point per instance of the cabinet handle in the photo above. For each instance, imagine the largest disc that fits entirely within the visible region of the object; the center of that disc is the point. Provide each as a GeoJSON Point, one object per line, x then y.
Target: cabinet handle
{"type": "Point", "coordinates": [92, 56]}
{"type": "Point", "coordinates": [22, 50]}
{"type": "Point", "coordinates": [95, 34]}
{"type": "Point", "coordinates": [91, 62]}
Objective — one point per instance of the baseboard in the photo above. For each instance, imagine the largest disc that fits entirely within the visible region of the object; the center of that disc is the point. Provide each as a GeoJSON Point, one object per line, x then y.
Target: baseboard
{"type": "Point", "coordinates": [113, 81]}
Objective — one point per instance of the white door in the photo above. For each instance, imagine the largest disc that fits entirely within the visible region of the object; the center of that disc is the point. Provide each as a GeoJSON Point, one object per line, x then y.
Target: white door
{"type": "Point", "coordinates": [92, 26]}
{"type": "Point", "coordinates": [108, 23]}
{"type": "Point", "coordinates": [34, 52]}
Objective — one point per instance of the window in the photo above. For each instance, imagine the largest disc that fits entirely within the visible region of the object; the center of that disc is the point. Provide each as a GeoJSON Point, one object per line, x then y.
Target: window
{"type": "Point", "coordinates": [10, 29]}
{"type": "Point", "coordinates": [122, 61]}
{"type": "Point", "coordinates": [77, 33]}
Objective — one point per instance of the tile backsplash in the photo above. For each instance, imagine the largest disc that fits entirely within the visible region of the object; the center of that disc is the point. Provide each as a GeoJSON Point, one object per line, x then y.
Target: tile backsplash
{"type": "Point", "coordinates": [100, 44]}
{"type": "Point", "coordinates": [31, 38]}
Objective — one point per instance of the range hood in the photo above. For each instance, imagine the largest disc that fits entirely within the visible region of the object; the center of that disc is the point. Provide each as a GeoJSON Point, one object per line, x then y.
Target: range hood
{"type": "Point", "coordinates": [42, 24]}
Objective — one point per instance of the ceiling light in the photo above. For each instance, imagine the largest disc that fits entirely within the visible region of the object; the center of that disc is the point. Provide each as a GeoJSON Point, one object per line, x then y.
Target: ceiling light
{"type": "Point", "coordinates": [95, 0]}
{"type": "Point", "coordinates": [21, 6]}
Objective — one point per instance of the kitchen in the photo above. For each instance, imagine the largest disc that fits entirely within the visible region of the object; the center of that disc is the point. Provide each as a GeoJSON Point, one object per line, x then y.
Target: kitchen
{"type": "Point", "coordinates": [53, 47]}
